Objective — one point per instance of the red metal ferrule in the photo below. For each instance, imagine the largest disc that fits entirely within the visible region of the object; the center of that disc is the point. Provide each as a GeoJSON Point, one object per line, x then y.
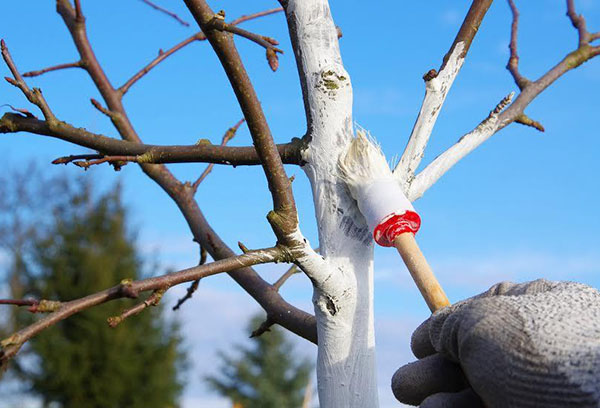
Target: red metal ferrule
{"type": "Point", "coordinates": [393, 225]}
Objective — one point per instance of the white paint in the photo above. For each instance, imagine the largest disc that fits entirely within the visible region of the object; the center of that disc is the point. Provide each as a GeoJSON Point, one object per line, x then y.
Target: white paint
{"type": "Point", "coordinates": [436, 91]}
{"type": "Point", "coordinates": [454, 154]}
{"type": "Point", "coordinates": [343, 280]}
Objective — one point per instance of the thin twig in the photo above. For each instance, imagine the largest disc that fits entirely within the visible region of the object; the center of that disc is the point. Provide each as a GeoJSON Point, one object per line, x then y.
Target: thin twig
{"type": "Point", "coordinates": [578, 22]}
{"type": "Point", "coordinates": [33, 95]}
{"type": "Point", "coordinates": [267, 42]}
{"type": "Point", "coordinates": [53, 68]}
{"type": "Point", "coordinates": [194, 285]}
{"type": "Point", "coordinates": [283, 278]}
{"type": "Point", "coordinates": [101, 108]}
{"type": "Point", "coordinates": [152, 300]}
{"type": "Point", "coordinates": [35, 306]}
{"type": "Point", "coordinates": [513, 59]}
{"type": "Point", "coordinates": [230, 134]}
{"type": "Point", "coordinates": [161, 57]}
{"type": "Point", "coordinates": [11, 345]}
{"type": "Point", "coordinates": [167, 12]}
{"type": "Point", "coordinates": [244, 18]}
{"type": "Point", "coordinates": [199, 36]}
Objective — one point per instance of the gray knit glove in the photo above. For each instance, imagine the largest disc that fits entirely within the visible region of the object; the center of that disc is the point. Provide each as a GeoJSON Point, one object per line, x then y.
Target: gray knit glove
{"type": "Point", "coordinates": [534, 344]}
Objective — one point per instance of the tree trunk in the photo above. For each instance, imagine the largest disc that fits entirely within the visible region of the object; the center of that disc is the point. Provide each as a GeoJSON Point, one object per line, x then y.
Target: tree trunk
{"type": "Point", "coordinates": [343, 298]}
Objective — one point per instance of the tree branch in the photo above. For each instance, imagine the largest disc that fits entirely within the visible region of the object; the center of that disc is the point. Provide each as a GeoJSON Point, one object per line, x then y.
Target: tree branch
{"type": "Point", "coordinates": [283, 219]}
{"type": "Point", "coordinates": [230, 134]}
{"type": "Point", "coordinates": [167, 12]}
{"type": "Point", "coordinates": [285, 314]}
{"type": "Point", "coordinates": [465, 145]}
{"type": "Point", "coordinates": [34, 96]}
{"type": "Point", "coordinates": [53, 68]}
{"type": "Point", "coordinates": [11, 345]}
{"type": "Point", "coordinates": [437, 86]}
{"type": "Point", "coordinates": [152, 300]}
{"type": "Point", "coordinates": [202, 152]}
{"type": "Point", "coordinates": [513, 113]}
{"type": "Point", "coordinates": [267, 42]}
{"type": "Point", "coordinates": [199, 36]}
{"type": "Point", "coordinates": [513, 60]}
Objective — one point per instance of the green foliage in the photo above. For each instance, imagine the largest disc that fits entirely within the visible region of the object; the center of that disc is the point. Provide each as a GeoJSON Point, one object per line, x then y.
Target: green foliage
{"type": "Point", "coordinates": [265, 375]}
{"type": "Point", "coordinates": [82, 362]}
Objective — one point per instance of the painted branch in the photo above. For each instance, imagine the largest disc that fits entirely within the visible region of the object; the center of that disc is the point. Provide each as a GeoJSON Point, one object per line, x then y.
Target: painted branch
{"type": "Point", "coordinates": [437, 86]}
{"type": "Point", "coordinates": [465, 145]}
{"type": "Point", "coordinates": [436, 90]}
{"type": "Point", "coordinates": [494, 123]}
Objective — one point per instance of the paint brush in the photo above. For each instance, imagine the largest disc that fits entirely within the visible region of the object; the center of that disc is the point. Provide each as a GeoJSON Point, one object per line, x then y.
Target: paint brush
{"type": "Point", "coordinates": [389, 214]}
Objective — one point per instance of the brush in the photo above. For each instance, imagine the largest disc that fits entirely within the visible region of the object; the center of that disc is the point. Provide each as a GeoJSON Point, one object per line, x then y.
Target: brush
{"type": "Point", "coordinates": [389, 214]}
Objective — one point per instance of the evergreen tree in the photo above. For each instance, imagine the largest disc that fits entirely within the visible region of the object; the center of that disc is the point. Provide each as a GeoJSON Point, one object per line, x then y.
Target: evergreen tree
{"type": "Point", "coordinates": [265, 375]}
{"type": "Point", "coordinates": [82, 362]}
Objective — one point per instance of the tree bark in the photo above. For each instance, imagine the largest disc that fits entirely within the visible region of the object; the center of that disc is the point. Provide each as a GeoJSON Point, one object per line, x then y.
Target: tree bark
{"type": "Point", "coordinates": [343, 296]}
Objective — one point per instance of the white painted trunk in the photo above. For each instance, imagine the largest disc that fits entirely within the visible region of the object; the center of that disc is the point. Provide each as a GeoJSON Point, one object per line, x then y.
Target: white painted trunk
{"type": "Point", "coordinates": [343, 293]}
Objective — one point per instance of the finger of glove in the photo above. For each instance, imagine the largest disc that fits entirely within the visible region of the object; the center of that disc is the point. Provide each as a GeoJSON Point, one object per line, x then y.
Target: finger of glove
{"type": "Point", "coordinates": [416, 381]}
{"type": "Point", "coordinates": [464, 399]}
{"type": "Point", "coordinates": [518, 289]}
{"type": "Point", "coordinates": [420, 342]}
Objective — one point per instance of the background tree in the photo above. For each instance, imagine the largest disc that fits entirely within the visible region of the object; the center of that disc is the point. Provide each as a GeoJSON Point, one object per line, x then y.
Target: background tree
{"type": "Point", "coordinates": [265, 375]}
{"type": "Point", "coordinates": [342, 273]}
{"type": "Point", "coordinates": [83, 362]}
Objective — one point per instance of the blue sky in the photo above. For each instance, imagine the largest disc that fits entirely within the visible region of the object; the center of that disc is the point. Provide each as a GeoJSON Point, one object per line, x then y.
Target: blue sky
{"type": "Point", "coordinates": [522, 206]}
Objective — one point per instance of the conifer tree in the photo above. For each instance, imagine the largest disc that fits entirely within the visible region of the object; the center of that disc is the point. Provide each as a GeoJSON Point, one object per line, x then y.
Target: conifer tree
{"type": "Point", "coordinates": [264, 375]}
{"type": "Point", "coordinates": [82, 362]}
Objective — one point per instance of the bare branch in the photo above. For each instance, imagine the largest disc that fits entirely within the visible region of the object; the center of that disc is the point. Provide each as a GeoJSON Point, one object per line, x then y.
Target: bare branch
{"type": "Point", "coordinates": [267, 42]}
{"type": "Point", "coordinates": [437, 87]}
{"type": "Point", "coordinates": [513, 60]}
{"type": "Point", "coordinates": [523, 119]}
{"type": "Point", "coordinates": [194, 285]}
{"type": "Point", "coordinates": [152, 300]}
{"type": "Point", "coordinates": [34, 96]}
{"type": "Point", "coordinates": [283, 218]}
{"type": "Point", "coordinates": [53, 68]}
{"type": "Point", "coordinates": [578, 22]}
{"type": "Point", "coordinates": [199, 36]}
{"type": "Point", "coordinates": [167, 12]}
{"type": "Point", "coordinates": [161, 57]}
{"type": "Point", "coordinates": [230, 134]}
{"type": "Point", "coordinates": [202, 152]}
{"type": "Point", "coordinates": [101, 108]}
{"type": "Point", "coordinates": [283, 278]}
{"type": "Point", "coordinates": [244, 18]}
{"type": "Point", "coordinates": [11, 345]}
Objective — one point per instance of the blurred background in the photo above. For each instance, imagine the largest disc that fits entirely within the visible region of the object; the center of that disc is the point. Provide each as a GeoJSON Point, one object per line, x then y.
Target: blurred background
{"type": "Point", "coordinates": [522, 206]}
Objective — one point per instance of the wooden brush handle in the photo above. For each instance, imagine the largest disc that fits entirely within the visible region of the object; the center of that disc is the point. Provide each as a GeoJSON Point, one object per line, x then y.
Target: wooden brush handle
{"type": "Point", "coordinates": [420, 271]}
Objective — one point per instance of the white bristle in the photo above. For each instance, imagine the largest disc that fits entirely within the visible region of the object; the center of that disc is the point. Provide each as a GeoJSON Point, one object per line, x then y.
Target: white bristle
{"type": "Point", "coordinates": [364, 162]}
{"type": "Point", "coordinates": [365, 171]}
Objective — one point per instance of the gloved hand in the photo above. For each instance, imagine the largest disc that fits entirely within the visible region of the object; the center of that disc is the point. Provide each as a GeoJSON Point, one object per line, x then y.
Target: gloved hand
{"type": "Point", "coordinates": [534, 344]}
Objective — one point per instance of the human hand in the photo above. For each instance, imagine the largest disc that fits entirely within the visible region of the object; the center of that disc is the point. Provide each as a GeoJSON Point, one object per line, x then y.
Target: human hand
{"type": "Point", "coordinates": [535, 344]}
